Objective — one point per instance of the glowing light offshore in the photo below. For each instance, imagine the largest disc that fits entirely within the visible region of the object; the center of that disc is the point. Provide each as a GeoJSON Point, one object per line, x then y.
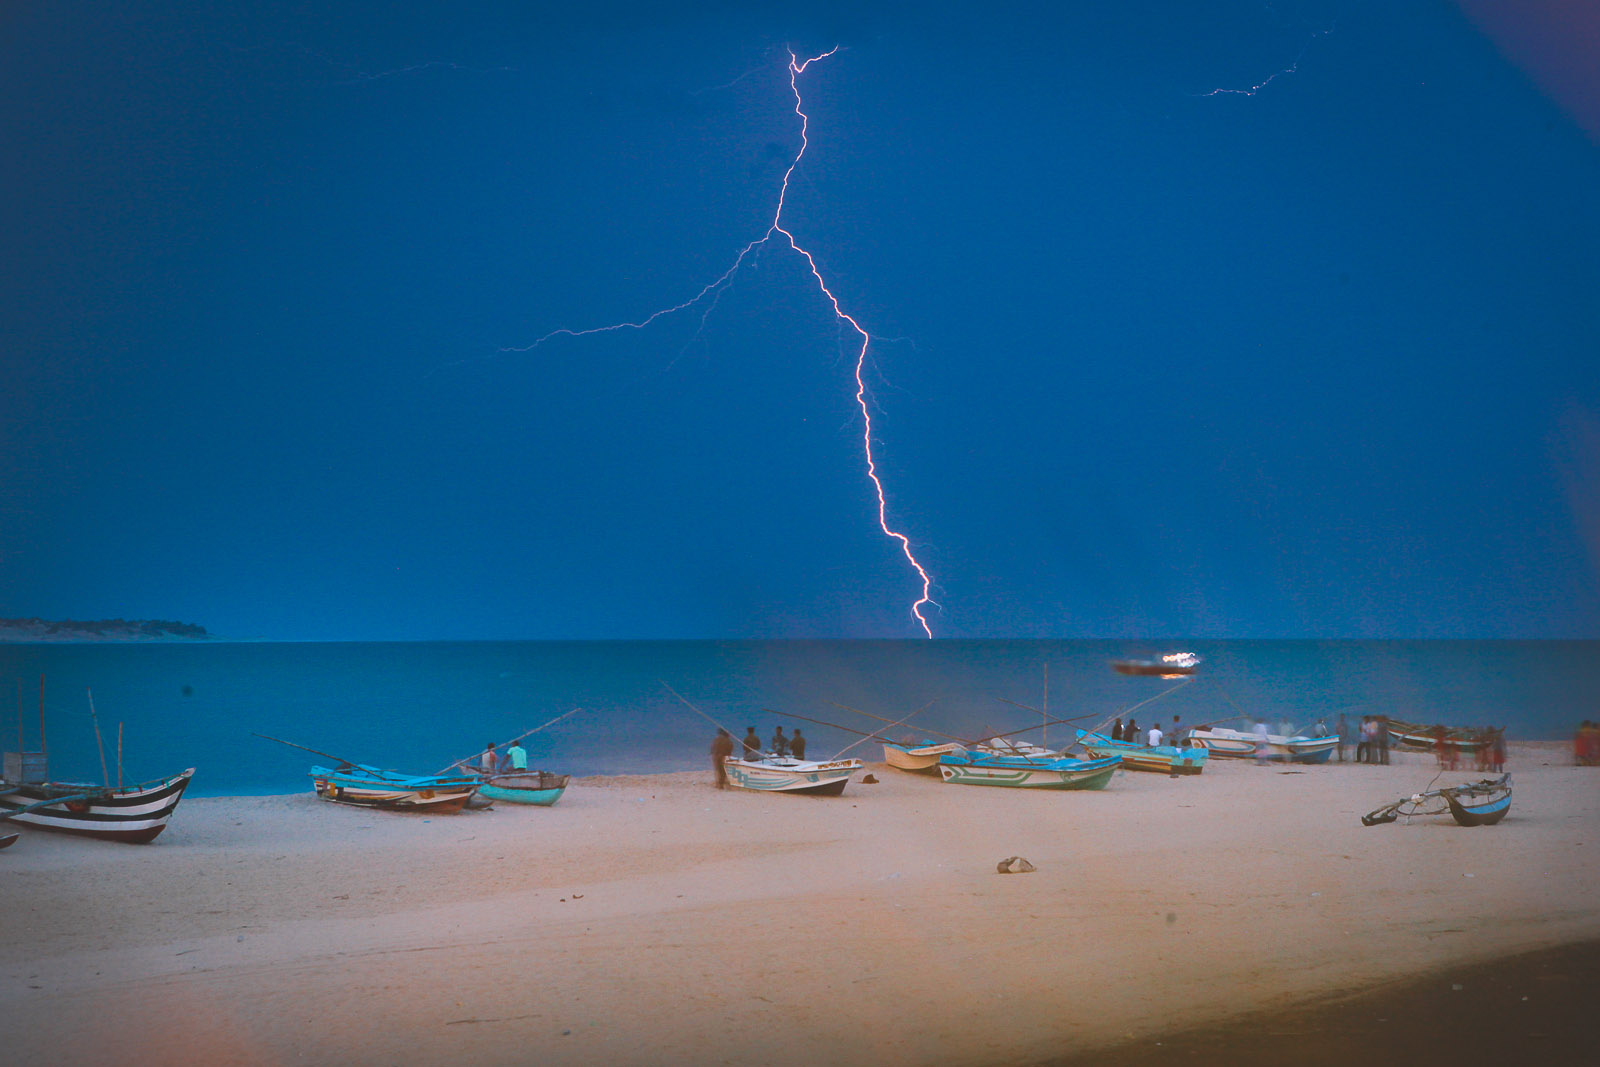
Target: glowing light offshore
{"type": "Point", "coordinates": [714, 290]}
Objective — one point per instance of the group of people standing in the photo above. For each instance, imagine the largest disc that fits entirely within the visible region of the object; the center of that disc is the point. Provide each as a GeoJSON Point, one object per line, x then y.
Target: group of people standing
{"type": "Point", "coordinates": [1153, 736]}
{"type": "Point", "coordinates": [782, 746]}
{"type": "Point", "coordinates": [1371, 742]}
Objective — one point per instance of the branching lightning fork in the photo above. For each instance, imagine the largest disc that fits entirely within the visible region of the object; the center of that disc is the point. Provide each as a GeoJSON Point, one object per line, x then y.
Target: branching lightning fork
{"type": "Point", "coordinates": [715, 288]}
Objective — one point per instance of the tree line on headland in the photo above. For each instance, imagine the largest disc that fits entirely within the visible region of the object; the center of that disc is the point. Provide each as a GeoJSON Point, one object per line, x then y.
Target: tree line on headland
{"type": "Point", "coordinates": [98, 630]}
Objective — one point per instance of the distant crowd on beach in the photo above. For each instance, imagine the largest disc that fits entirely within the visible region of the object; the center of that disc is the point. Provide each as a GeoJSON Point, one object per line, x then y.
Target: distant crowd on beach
{"type": "Point", "coordinates": [1586, 745]}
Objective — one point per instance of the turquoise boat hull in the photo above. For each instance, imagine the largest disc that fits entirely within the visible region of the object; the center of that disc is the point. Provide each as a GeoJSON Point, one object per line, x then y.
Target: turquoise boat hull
{"type": "Point", "coordinates": [524, 788]}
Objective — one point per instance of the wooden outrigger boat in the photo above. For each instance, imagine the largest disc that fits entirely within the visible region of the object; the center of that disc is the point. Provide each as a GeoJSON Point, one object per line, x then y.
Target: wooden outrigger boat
{"type": "Point", "coordinates": [524, 787]}
{"type": "Point", "coordinates": [1419, 738]}
{"type": "Point", "coordinates": [1480, 803]}
{"type": "Point", "coordinates": [135, 815]}
{"type": "Point", "coordinates": [918, 759]}
{"type": "Point", "coordinates": [1021, 772]}
{"type": "Point", "coordinates": [1239, 744]}
{"type": "Point", "coordinates": [1164, 759]}
{"type": "Point", "coordinates": [370, 787]}
{"type": "Point", "coordinates": [782, 774]}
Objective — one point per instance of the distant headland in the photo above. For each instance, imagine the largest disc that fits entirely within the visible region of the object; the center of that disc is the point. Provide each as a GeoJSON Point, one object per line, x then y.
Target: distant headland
{"type": "Point", "coordinates": [100, 630]}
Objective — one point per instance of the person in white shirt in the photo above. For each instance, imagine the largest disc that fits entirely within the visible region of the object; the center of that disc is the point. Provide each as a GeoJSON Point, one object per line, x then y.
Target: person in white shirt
{"type": "Point", "coordinates": [1155, 736]}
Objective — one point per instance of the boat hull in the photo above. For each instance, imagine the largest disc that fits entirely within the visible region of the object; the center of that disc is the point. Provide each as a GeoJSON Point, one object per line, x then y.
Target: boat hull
{"type": "Point", "coordinates": [532, 788]}
{"type": "Point", "coordinates": [1022, 774]}
{"type": "Point", "coordinates": [1418, 738]}
{"type": "Point", "coordinates": [918, 759]}
{"type": "Point", "coordinates": [437, 795]}
{"type": "Point", "coordinates": [135, 815]}
{"type": "Point", "coordinates": [1236, 744]}
{"type": "Point", "coordinates": [779, 775]}
{"type": "Point", "coordinates": [1480, 804]}
{"type": "Point", "coordinates": [1160, 759]}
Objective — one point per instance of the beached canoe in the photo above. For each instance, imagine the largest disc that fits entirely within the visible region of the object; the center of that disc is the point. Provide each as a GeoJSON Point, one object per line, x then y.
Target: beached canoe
{"type": "Point", "coordinates": [782, 774]}
{"type": "Point", "coordinates": [1163, 759]}
{"type": "Point", "coordinates": [1420, 738]}
{"type": "Point", "coordinates": [1481, 803]}
{"type": "Point", "coordinates": [1238, 744]}
{"type": "Point", "coordinates": [371, 787]}
{"type": "Point", "coordinates": [918, 759]}
{"type": "Point", "coordinates": [524, 787]}
{"type": "Point", "coordinates": [1017, 772]}
{"type": "Point", "coordinates": [135, 815]}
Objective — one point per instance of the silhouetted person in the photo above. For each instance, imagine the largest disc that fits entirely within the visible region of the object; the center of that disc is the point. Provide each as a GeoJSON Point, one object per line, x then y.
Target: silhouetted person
{"type": "Point", "coordinates": [797, 744]}
{"type": "Point", "coordinates": [721, 749]}
{"type": "Point", "coordinates": [1116, 731]}
{"type": "Point", "coordinates": [780, 744]}
{"type": "Point", "coordinates": [752, 744]}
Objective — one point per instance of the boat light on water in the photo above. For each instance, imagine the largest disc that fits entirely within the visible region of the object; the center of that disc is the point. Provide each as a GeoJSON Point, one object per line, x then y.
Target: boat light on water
{"type": "Point", "coordinates": [1171, 665]}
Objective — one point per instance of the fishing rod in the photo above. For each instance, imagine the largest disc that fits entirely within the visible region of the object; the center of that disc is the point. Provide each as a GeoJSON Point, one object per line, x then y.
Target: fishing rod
{"type": "Point", "coordinates": [892, 722]}
{"type": "Point", "coordinates": [864, 735]}
{"type": "Point", "coordinates": [694, 709]}
{"type": "Point", "coordinates": [343, 763]}
{"type": "Point", "coordinates": [519, 737]}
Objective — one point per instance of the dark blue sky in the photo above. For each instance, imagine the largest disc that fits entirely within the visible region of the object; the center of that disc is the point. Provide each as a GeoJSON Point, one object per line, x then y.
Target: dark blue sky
{"type": "Point", "coordinates": [1321, 360]}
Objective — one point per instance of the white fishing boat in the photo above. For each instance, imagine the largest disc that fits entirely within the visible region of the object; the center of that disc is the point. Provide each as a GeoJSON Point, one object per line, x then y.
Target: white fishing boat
{"type": "Point", "coordinates": [784, 774]}
{"type": "Point", "coordinates": [1239, 744]}
{"type": "Point", "coordinates": [918, 759]}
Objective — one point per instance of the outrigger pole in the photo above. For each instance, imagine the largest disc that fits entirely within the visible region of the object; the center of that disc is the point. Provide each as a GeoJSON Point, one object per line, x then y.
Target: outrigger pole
{"type": "Point", "coordinates": [328, 755]}
{"type": "Point", "coordinates": [519, 737]}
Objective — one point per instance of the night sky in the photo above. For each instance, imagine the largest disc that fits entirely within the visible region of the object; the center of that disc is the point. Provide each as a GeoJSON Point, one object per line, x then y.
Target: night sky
{"type": "Point", "coordinates": [1320, 359]}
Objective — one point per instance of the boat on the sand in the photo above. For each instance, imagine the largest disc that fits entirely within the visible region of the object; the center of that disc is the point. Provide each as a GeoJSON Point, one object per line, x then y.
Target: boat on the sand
{"type": "Point", "coordinates": [971, 767]}
{"type": "Point", "coordinates": [1481, 803]}
{"type": "Point", "coordinates": [1241, 744]}
{"type": "Point", "coordinates": [524, 787]}
{"type": "Point", "coordinates": [135, 814]}
{"type": "Point", "coordinates": [918, 759]}
{"type": "Point", "coordinates": [1420, 738]}
{"type": "Point", "coordinates": [371, 787]}
{"type": "Point", "coordinates": [1163, 759]}
{"type": "Point", "coordinates": [784, 774]}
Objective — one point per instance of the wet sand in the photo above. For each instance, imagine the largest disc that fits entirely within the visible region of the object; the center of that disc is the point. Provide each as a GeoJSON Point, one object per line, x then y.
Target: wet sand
{"type": "Point", "coordinates": [655, 920]}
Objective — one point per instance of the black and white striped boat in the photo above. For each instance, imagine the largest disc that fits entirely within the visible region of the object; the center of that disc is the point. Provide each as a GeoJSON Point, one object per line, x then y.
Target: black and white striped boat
{"type": "Point", "coordinates": [135, 814]}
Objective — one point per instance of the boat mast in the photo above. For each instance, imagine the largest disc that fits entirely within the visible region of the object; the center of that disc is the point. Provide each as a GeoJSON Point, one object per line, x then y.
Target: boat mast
{"type": "Point", "coordinates": [105, 775]}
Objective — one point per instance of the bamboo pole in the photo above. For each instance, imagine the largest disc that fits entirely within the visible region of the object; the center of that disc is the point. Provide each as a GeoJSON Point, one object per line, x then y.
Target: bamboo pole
{"type": "Point", "coordinates": [105, 775]}
{"type": "Point", "coordinates": [44, 749]}
{"type": "Point", "coordinates": [514, 740]}
{"type": "Point", "coordinates": [119, 755]}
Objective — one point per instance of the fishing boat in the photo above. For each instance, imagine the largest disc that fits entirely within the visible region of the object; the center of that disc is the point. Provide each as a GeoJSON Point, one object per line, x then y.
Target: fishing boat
{"type": "Point", "coordinates": [1480, 803]}
{"type": "Point", "coordinates": [918, 759]}
{"type": "Point", "coordinates": [1420, 738]}
{"type": "Point", "coordinates": [524, 787]}
{"type": "Point", "coordinates": [370, 787]}
{"type": "Point", "coordinates": [971, 767]}
{"type": "Point", "coordinates": [7, 840]}
{"type": "Point", "coordinates": [784, 774]}
{"type": "Point", "coordinates": [1164, 759]}
{"type": "Point", "coordinates": [1171, 665]}
{"type": "Point", "coordinates": [1238, 744]}
{"type": "Point", "coordinates": [135, 814]}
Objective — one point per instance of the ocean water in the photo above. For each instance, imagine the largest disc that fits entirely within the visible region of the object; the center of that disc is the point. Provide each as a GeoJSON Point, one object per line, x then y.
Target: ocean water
{"type": "Point", "coordinates": [418, 706]}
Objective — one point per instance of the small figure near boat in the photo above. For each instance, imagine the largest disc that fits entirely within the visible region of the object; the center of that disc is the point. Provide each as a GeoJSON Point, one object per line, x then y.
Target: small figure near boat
{"type": "Point", "coordinates": [797, 744]}
{"type": "Point", "coordinates": [721, 752]}
{"type": "Point", "coordinates": [780, 743]}
{"type": "Point", "coordinates": [752, 743]}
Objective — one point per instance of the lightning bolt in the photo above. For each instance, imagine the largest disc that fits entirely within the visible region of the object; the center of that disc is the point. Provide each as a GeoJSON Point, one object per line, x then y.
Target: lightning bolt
{"type": "Point", "coordinates": [713, 290]}
{"type": "Point", "coordinates": [1275, 75]}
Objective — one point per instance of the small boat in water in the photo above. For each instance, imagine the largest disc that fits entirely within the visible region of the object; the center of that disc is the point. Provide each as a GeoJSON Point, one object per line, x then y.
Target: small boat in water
{"type": "Point", "coordinates": [918, 759]}
{"type": "Point", "coordinates": [1239, 744]}
{"type": "Point", "coordinates": [1163, 759]}
{"type": "Point", "coordinates": [972, 767]}
{"type": "Point", "coordinates": [370, 787]}
{"type": "Point", "coordinates": [784, 774]}
{"type": "Point", "coordinates": [1171, 665]}
{"type": "Point", "coordinates": [524, 787]}
{"type": "Point", "coordinates": [1480, 803]}
{"type": "Point", "coordinates": [135, 815]}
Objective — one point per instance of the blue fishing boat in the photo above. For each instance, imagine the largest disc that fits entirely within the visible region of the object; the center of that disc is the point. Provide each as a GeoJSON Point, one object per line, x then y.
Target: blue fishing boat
{"type": "Point", "coordinates": [1481, 803]}
{"type": "Point", "coordinates": [970, 767]}
{"type": "Point", "coordinates": [1164, 759]}
{"type": "Point", "coordinates": [371, 787]}
{"type": "Point", "coordinates": [524, 787]}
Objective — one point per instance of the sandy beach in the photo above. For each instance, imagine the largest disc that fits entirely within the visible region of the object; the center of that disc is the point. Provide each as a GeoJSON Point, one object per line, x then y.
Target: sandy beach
{"type": "Point", "coordinates": [655, 920]}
